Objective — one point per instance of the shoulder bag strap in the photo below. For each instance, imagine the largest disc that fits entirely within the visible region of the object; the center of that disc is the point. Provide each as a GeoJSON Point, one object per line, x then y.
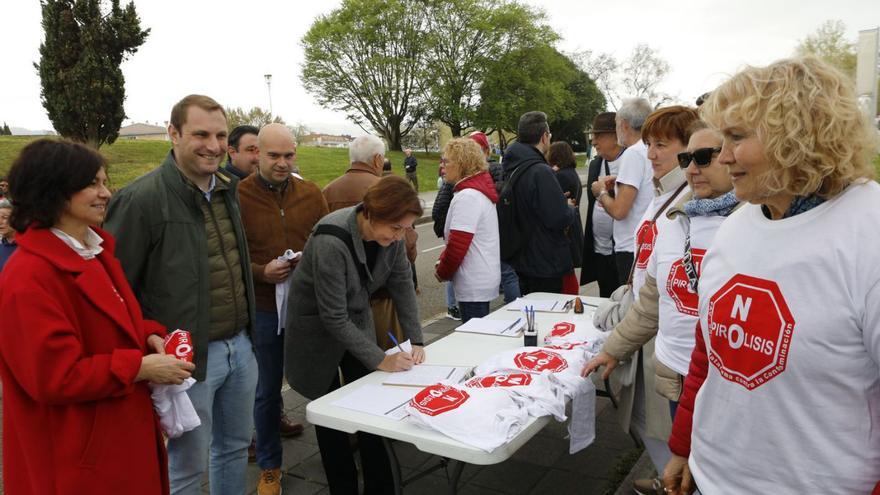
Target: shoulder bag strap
{"type": "Point", "coordinates": [345, 237]}
{"type": "Point", "coordinates": [657, 214]}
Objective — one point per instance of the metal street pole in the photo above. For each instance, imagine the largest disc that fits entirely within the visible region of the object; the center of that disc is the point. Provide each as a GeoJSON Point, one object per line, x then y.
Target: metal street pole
{"type": "Point", "coordinates": [269, 87]}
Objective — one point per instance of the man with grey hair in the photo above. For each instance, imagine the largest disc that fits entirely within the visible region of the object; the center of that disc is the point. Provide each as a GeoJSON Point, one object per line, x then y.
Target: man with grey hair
{"type": "Point", "coordinates": [626, 196]}
{"type": "Point", "coordinates": [366, 155]}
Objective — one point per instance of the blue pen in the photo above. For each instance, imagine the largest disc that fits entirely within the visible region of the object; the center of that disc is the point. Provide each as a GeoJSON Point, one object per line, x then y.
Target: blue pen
{"type": "Point", "coordinates": [391, 336]}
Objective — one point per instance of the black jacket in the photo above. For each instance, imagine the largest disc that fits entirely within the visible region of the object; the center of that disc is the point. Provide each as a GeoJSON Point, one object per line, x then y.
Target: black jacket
{"type": "Point", "coordinates": [497, 173]}
{"type": "Point", "coordinates": [570, 182]}
{"type": "Point", "coordinates": [588, 266]}
{"type": "Point", "coordinates": [441, 207]}
{"type": "Point", "coordinates": [410, 163]}
{"type": "Point", "coordinates": [547, 252]}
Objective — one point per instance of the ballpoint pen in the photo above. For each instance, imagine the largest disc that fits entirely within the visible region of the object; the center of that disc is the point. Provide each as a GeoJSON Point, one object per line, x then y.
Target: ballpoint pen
{"type": "Point", "coordinates": [512, 325]}
{"type": "Point", "coordinates": [391, 336]}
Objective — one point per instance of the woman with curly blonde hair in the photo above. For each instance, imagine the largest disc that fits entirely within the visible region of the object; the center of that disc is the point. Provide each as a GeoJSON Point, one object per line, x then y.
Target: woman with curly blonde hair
{"type": "Point", "coordinates": [472, 258]}
{"type": "Point", "coordinates": [782, 390]}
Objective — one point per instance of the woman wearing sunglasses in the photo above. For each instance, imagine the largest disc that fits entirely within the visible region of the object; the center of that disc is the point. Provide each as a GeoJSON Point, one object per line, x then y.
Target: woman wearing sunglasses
{"type": "Point", "coordinates": [666, 133]}
{"type": "Point", "coordinates": [784, 374]}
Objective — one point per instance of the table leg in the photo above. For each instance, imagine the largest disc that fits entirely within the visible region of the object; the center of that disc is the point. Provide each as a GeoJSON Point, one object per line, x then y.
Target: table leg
{"type": "Point", "coordinates": [455, 475]}
{"type": "Point", "coordinates": [395, 466]}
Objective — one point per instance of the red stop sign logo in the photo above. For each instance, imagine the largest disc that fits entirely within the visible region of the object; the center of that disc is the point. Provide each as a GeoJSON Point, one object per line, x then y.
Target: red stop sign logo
{"type": "Point", "coordinates": [505, 380]}
{"type": "Point", "coordinates": [645, 237]}
{"type": "Point", "coordinates": [562, 329]}
{"type": "Point", "coordinates": [540, 360]}
{"type": "Point", "coordinates": [438, 399]}
{"type": "Point", "coordinates": [679, 288]}
{"type": "Point", "coordinates": [750, 330]}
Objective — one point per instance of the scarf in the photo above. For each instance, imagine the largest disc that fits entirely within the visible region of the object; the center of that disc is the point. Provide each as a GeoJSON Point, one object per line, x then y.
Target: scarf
{"type": "Point", "coordinates": [720, 206]}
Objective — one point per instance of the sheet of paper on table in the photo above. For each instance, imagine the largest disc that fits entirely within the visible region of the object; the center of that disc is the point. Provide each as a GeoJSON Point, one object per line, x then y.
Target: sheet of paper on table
{"type": "Point", "coordinates": [539, 305]}
{"type": "Point", "coordinates": [423, 375]}
{"type": "Point", "coordinates": [406, 346]}
{"type": "Point", "coordinates": [505, 328]}
{"type": "Point", "coordinates": [388, 402]}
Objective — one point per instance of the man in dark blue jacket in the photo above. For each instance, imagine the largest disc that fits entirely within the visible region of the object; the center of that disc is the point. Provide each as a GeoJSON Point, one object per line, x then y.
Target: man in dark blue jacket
{"type": "Point", "coordinates": [545, 258]}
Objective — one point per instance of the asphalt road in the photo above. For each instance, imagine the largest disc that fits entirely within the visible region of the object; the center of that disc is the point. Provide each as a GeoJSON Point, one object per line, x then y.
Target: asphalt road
{"type": "Point", "coordinates": [432, 300]}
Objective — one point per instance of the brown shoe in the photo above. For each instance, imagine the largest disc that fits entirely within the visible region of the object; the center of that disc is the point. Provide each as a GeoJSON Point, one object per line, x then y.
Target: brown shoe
{"type": "Point", "coordinates": [252, 450]}
{"type": "Point", "coordinates": [289, 428]}
{"type": "Point", "coordinates": [270, 482]}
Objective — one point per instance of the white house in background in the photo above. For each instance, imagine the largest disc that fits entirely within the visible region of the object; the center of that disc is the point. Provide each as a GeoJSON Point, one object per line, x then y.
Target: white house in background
{"type": "Point", "coordinates": [325, 140]}
{"type": "Point", "coordinates": [144, 132]}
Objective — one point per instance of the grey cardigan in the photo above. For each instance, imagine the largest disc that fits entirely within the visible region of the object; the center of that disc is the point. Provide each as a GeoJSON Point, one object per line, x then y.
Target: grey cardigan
{"type": "Point", "coordinates": [329, 310]}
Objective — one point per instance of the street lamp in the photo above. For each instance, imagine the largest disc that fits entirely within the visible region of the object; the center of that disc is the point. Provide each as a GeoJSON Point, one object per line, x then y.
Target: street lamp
{"type": "Point", "coordinates": [269, 87]}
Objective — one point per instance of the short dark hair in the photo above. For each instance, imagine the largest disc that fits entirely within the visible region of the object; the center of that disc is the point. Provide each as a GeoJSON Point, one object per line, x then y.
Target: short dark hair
{"type": "Point", "coordinates": [561, 155]}
{"type": "Point", "coordinates": [44, 176]}
{"type": "Point", "coordinates": [181, 109]}
{"type": "Point", "coordinates": [532, 125]}
{"type": "Point", "coordinates": [390, 199]}
{"type": "Point", "coordinates": [238, 132]}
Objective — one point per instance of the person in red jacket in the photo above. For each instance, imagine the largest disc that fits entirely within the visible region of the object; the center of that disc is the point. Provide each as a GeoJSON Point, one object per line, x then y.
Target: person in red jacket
{"type": "Point", "coordinates": [472, 258]}
{"type": "Point", "coordinates": [75, 352]}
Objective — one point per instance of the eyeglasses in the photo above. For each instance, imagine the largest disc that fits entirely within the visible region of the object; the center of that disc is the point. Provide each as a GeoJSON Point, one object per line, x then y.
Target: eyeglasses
{"type": "Point", "coordinates": [702, 157]}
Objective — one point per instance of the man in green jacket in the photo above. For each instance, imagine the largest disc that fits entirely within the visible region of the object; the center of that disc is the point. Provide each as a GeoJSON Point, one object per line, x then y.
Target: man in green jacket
{"type": "Point", "coordinates": [184, 252]}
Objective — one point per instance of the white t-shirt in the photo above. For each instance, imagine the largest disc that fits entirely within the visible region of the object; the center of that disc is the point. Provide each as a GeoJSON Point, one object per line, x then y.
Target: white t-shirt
{"type": "Point", "coordinates": [790, 312]}
{"type": "Point", "coordinates": [603, 224]}
{"type": "Point", "coordinates": [646, 236]}
{"type": "Point", "coordinates": [678, 303]}
{"type": "Point", "coordinates": [479, 276]}
{"type": "Point", "coordinates": [635, 170]}
{"type": "Point", "coordinates": [484, 418]}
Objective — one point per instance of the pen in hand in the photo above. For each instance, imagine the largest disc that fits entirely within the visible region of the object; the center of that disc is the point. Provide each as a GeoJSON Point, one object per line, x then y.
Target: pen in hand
{"type": "Point", "coordinates": [394, 340]}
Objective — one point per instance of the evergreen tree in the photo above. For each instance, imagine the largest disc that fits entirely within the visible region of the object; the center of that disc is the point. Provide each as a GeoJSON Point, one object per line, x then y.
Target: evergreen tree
{"type": "Point", "coordinates": [83, 89]}
{"type": "Point", "coordinates": [5, 131]}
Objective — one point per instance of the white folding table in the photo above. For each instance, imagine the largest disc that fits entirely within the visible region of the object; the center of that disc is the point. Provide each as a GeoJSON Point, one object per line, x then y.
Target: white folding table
{"type": "Point", "coordinates": [458, 348]}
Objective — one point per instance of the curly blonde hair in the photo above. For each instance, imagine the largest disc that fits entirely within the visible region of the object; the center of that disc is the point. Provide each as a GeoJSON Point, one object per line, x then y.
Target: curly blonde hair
{"type": "Point", "coordinates": [805, 113]}
{"type": "Point", "coordinates": [467, 154]}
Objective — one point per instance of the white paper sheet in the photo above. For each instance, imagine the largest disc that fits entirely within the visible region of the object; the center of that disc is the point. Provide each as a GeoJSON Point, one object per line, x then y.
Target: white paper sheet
{"type": "Point", "coordinates": [406, 346]}
{"type": "Point", "coordinates": [423, 375]}
{"type": "Point", "coordinates": [540, 305]}
{"type": "Point", "coordinates": [505, 328]}
{"type": "Point", "coordinates": [382, 401]}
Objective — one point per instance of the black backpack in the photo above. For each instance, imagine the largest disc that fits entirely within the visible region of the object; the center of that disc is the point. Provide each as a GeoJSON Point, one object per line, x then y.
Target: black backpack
{"type": "Point", "coordinates": [513, 230]}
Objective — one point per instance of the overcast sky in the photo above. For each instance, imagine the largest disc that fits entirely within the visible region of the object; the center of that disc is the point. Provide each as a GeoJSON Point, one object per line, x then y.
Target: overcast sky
{"type": "Point", "coordinates": [223, 48]}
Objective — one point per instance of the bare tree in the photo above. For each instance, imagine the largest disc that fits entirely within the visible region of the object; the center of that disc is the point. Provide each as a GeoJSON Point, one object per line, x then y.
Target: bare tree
{"type": "Point", "coordinates": [637, 76]}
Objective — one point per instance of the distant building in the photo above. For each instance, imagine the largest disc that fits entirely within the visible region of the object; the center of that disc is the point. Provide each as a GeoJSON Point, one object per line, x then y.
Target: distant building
{"type": "Point", "coordinates": [325, 140]}
{"type": "Point", "coordinates": [144, 132]}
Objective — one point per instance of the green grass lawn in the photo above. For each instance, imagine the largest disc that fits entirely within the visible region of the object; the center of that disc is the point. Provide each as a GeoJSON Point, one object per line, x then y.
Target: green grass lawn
{"type": "Point", "coordinates": [130, 159]}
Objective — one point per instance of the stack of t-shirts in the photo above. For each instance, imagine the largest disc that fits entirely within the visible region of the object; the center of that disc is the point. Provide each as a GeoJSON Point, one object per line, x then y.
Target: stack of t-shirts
{"type": "Point", "coordinates": [563, 366]}
{"type": "Point", "coordinates": [542, 397]}
{"type": "Point", "coordinates": [484, 418]}
{"type": "Point", "coordinates": [576, 332]}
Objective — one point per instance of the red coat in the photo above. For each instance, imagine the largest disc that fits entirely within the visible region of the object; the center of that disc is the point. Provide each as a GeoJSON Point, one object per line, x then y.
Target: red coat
{"type": "Point", "coordinates": [74, 420]}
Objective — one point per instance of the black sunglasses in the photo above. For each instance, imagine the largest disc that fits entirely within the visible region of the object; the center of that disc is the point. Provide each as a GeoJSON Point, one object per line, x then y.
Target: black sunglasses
{"type": "Point", "coordinates": [702, 157]}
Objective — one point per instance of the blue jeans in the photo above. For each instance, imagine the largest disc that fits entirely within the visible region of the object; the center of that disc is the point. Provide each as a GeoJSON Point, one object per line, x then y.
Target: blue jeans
{"type": "Point", "coordinates": [269, 349]}
{"type": "Point", "coordinates": [509, 283]}
{"type": "Point", "coordinates": [472, 310]}
{"type": "Point", "coordinates": [450, 295]}
{"type": "Point", "coordinates": [225, 404]}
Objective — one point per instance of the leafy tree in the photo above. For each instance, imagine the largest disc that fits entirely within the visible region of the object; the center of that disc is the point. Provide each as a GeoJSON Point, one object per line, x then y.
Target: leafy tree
{"type": "Point", "coordinates": [299, 130]}
{"type": "Point", "coordinates": [5, 131]}
{"type": "Point", "coordinates": [829, 43]}
{"type": "Point", "coordinates": [537, 78]}
{"type": "Point", "coordinates": [636, 77]}
{"type": "Point", "coordinates": [462, 38]}
{"type": "Point", "coordinates": [256, 117]}
{"type": "Point", "coordinates": [364, 59]}
{"type": "Point", "coordinates": [586, 102]}
{"type": "Point", "coordinates": [83, 88]}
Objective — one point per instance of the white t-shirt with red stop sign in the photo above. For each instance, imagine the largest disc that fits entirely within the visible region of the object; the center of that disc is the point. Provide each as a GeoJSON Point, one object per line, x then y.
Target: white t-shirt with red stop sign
{"type": "Point", "coordinates": [635, 170]}
{"type": "Point", "coordinates": [646, 238]}
{"type": "Point", "coordinates": [541, 396]}
{"type": "Point", "coordinates": [564, 364]}
{"type": "Point", "coordinates": [484, 418]}
{"type": "Point", "coordinates": [678, 303]}
{"type": "Point", "coordinates": [790, 312]}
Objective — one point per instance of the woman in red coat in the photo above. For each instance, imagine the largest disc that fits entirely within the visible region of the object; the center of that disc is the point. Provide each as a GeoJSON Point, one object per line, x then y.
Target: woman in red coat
{"type": "Point", "coordinates": [75, 352]}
